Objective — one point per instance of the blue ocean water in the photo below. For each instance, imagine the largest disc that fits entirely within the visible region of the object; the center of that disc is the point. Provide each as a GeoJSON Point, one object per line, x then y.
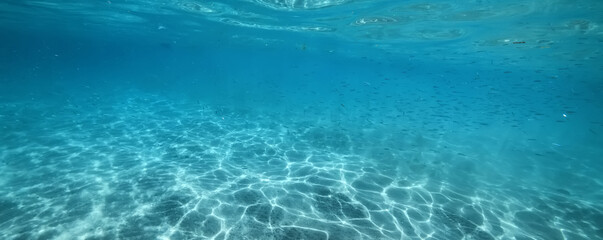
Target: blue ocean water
{"type": "Point", "coordinates": [301, 119]}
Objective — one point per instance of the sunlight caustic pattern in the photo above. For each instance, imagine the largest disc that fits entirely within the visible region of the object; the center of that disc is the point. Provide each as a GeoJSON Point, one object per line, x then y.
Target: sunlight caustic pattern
{"type": "Point", "coordinates": [149, 167]}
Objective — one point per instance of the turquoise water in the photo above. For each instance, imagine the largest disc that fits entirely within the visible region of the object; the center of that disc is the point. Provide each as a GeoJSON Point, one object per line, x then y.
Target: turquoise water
{"type": "Point", "coordinates": [308, 119]}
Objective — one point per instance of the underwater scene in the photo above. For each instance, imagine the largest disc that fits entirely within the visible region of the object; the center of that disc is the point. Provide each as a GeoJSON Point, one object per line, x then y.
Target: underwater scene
{"type": "Point", "coordinates": [301, 119]}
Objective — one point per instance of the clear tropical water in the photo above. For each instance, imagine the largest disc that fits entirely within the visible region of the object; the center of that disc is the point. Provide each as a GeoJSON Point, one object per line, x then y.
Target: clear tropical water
{"type": "Point", "coordinates": [308, 119]}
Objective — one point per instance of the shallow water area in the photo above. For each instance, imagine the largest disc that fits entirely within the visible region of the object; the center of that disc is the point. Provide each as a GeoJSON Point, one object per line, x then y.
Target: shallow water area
{"type": "Point", "coordinates": [300, 120]}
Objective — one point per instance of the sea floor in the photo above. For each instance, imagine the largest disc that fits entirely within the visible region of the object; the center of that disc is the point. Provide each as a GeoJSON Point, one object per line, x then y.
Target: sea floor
{"type": "Point", "coordinates": [146, 167]}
